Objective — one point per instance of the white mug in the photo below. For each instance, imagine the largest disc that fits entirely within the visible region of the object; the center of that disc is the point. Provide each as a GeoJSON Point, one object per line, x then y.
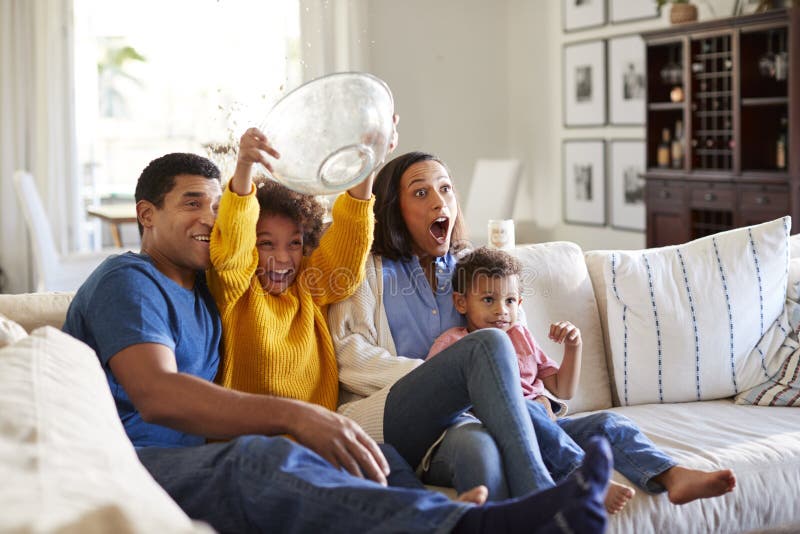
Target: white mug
{"type": "Point", "coordinates": [501, 234]}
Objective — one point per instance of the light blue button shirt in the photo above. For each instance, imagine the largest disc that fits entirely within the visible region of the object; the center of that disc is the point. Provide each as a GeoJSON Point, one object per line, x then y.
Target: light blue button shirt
{"type": "Point", "coordinates": [417, 315]}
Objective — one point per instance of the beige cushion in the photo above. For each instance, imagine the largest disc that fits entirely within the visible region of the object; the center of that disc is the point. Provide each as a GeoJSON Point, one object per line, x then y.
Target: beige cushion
{"type": "Point", "coordinates": [556, 287]}
{"type": "Point", "coordinates": [10, 332]}
{"type": "Point", "coordinates": [33, 310]}
{"type": "Point", "coordinates": [65, 460]}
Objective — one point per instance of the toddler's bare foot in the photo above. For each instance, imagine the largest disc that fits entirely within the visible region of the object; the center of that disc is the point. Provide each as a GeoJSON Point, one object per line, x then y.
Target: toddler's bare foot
{"type": "Point", "coordinates": [685, 485]}
{"type": "Point", "coordinates": [476, 495]}
{"type": "Point", "coordinates": [617, 496]}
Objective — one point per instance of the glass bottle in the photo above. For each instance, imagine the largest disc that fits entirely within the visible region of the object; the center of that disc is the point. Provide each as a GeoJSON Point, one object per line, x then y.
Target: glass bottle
{"type": "Point", "coordinates": [663, 153]}
{"type": "Point", "coordinates": [780, 146]}
{"type": "Point", "coordinates": [676, 150]}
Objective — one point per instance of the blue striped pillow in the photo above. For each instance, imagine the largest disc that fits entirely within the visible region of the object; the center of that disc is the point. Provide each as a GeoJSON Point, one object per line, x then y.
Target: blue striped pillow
{"type": "Point", "coordinates": [700, 320]}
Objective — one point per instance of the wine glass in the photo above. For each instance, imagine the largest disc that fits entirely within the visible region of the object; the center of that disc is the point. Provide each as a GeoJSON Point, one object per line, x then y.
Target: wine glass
{"type": "Point", "coordinates": [672, 72]}
{"type": "Point", "coordinates": [766, 63]}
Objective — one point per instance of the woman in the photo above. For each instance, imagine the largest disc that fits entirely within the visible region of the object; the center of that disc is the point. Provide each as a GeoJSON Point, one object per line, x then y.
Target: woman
{"type": "Point", "coordinates": [383, 332]}
{"type": "Point", "coordinates": [404, 304]}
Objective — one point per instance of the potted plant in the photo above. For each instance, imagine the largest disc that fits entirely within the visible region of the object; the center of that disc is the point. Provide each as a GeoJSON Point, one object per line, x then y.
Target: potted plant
{"type": "Point", "coordinates": [681, 11]}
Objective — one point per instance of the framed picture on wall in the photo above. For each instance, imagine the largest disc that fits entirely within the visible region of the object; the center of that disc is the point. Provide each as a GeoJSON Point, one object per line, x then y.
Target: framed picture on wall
{"type": "Point", "coordinates": [628, 10]}
{"type": "Point", "coordinates": [626, 164]}
{"type": "Point", "coordinates": [627, 80]}
{"type": "Point", "coordinates": [582, 14]}
{"type": "Point", "coordinates": [584, 173]}
{"type": "Point", "coordinates": [584, 84]}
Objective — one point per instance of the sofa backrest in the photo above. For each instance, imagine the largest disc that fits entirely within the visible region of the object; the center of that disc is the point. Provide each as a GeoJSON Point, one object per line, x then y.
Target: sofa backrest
{"type": "Point", "coordinates": [33, 310]}
{"type": "Point", "coordinates": [556, 287]}
{"type": "Point", "coordinates": [595, 260]}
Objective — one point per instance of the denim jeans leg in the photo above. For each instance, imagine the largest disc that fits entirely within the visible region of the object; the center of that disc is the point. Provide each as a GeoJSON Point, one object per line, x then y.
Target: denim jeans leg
{"type": "Point", "coordinates": [261, 484]}
{"type": "Point", "coordinates": [479, 372]}
{"type": "Point", "coordinates": [467, 457]}
{"type": "Point", "coordinates": [401, 475]}
{"type": "Point", "coordinates": [635, 456]}
{"type": "Point", "coordinates": [559, 451]}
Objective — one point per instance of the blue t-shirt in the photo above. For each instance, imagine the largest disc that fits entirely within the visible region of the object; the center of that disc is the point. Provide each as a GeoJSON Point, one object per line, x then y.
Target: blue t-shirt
{"type": "Point", "coordinates": [417, 315]}
{"type": "Point", "coordinates": [127, 301]}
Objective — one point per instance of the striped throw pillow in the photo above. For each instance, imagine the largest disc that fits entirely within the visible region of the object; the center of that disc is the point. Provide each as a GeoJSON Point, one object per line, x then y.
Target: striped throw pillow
{"type": "Point", "coordinates": [783, 387]}
{"type": "Point", "coordinates": [701, 320]}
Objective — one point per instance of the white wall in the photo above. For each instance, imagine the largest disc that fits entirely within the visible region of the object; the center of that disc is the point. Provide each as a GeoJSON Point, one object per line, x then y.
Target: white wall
{"type": "Point", "coordinates": [480, 78]}
{"type": "Point", "coordinates": [447, 66]}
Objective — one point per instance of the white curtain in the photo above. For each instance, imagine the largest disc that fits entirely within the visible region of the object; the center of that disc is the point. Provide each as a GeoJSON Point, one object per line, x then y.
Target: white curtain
{"type": "Point", "coordinates": [37, 126]}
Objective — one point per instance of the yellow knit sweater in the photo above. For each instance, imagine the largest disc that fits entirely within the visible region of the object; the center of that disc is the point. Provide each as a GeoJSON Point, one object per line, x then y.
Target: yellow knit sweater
{"type": "Point", "coordinates": [281, 345]}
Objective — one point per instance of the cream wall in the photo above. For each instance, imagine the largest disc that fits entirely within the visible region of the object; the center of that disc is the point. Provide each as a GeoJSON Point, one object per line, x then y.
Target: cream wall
{"type": "Point", "coordinates": [447, 65]}
{"type": "Point", "coordinates": [480, 78]}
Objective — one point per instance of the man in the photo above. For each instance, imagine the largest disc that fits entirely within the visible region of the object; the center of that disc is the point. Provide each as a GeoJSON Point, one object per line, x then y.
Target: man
{"type": "Point", "coordinates": [155, 328]}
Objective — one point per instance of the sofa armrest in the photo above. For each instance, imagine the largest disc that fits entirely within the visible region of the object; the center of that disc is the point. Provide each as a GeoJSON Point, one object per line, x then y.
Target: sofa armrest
{"type": "Point", "coordinates": [32, 310]}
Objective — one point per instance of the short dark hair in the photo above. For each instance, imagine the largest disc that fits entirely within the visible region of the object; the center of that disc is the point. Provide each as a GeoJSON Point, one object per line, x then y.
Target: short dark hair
{"type": "Point", "coordinates": [392, 239]}
{"type": "Point", "coordinates": [486, 261]}
{"type": "Point", "coordinates": [303, 210]}
{"type": "Point", "coordinates": [158, 178]}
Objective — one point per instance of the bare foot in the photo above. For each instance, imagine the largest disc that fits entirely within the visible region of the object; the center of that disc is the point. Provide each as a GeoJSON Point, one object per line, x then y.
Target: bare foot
{"type": "Point", "coordinates": [685, 485]}
{"type": "Point", "coordinates": [617, 496]}
{"type": "Point", "coordinates": [476, 495]}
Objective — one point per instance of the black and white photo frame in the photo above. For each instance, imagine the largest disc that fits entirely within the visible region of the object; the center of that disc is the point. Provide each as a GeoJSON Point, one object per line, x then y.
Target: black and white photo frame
{"type": "Point", "coordinates": [584, 186]}
{"type": "Point", "coordinates": [584, 79]}
{"type": "Point", "coordinates": [627, 187]}
{"type": "Point", "coordinates": [630, 10]}
{"type": "Point", "coordinates": [582, 14]}
{"type": "Point", "coordinates": [627, 80]}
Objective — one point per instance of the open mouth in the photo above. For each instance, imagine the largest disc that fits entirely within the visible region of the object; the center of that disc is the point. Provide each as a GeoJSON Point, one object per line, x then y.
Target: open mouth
{"type": "Point", "coordinates": [280, 276]}
{"type": "Point", "coordinates": [438, 229]}
{"type": "Point", "coordinates": [203, 238]}
{"type": "Point", "coordinates": [500, 324]}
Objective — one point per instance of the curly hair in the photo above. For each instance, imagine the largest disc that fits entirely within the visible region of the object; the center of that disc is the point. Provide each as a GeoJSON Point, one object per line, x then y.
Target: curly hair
{"type": "Point", "coordinates": [392, 239]}
{"type": "Point", "coordinates": [303, 210]}
{"type": "Point", "coordinates": [483, 261]}
{"type": "Point", "coordinates": [158, 178]}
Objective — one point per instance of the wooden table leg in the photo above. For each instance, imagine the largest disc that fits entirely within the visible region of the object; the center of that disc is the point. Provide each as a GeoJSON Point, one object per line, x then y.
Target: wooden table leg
{"type": "Point", "coordinates": [115, 235]}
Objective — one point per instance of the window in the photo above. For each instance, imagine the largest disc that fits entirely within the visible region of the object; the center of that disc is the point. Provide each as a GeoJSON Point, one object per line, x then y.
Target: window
{"type": "Point", "coordinates": [154, 77]}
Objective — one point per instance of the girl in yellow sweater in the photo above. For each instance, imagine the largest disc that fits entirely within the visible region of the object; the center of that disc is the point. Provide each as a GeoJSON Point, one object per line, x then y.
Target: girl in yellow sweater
{"type": "Point", "coordinates": [273, 285]}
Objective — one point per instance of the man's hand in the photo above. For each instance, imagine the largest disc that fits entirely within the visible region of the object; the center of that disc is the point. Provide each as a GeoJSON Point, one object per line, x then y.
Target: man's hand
{"type": "Point", "coordinates": [340, 441]}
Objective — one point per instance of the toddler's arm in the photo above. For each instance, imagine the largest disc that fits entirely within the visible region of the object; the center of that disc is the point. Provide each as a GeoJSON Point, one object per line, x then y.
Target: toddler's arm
{"type": "Point", "coordinates": [564, 383]}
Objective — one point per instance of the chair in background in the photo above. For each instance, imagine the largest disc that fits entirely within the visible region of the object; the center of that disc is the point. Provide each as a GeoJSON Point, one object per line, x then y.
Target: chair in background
{"type": "Point", "coordinates": [492, 194]}
{"type": "Point", "coordinates": [51, 270]}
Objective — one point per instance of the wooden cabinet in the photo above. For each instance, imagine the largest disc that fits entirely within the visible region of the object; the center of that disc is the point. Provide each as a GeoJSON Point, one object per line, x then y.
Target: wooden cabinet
{"type": "Point", "coordinates": [726, 96]}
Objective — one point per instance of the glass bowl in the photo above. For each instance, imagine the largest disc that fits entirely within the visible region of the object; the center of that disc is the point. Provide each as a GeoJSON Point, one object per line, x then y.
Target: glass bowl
{"type": "Point", "coordinates": [331, 132]}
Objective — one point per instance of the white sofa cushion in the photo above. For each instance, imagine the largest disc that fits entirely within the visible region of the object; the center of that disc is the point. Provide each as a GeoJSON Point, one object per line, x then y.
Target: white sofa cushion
{"type": "Point", "coordinates": [65, 460]}
{"type": "Point", "coordinates": [10, 331]}
{"type": "Point", "coordinates": [555, 287]}
{"type": "Point", "coordinates": [684, 321]}
{"type": "Point", "coordinates": [760, 444]}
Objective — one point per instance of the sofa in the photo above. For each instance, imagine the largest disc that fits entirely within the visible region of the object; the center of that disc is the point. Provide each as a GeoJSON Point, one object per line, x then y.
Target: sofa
{"type": "Point", "coordinates": [684, 340]}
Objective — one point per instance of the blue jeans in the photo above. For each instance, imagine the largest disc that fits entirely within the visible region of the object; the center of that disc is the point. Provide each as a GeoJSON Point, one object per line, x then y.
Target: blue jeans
{"type": "Point", "coordinates": [561, 443]}
{"type": "Point", "coordinates": [261, 484]}
{"type": "Point", "coordinates": [478, 373]}
{"type": "Point", "coordinates": [466, 457]}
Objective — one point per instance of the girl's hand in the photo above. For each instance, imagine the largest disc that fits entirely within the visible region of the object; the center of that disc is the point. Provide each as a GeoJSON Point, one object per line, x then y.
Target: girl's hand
{"type": "Point", "coordinates": [565, 332]}
{"type": "Point", "coordinates": [253, 148]}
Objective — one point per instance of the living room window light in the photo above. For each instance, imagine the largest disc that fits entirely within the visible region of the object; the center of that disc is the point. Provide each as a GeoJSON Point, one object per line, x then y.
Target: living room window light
{"type": "Point", "coordinates": [187, 75]}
